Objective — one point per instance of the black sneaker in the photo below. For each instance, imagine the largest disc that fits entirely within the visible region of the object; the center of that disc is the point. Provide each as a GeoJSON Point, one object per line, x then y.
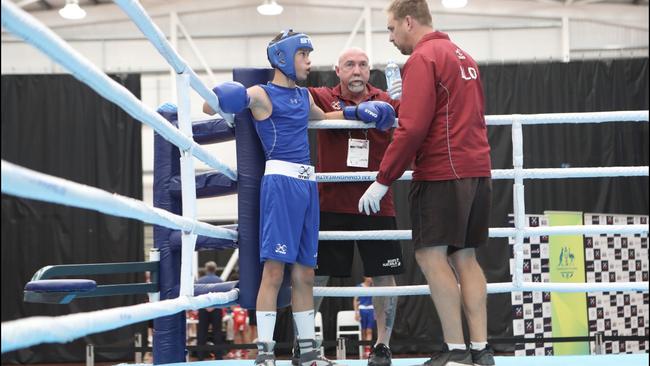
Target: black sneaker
{"type": "Point", "coordinates": [483, 357]}
{"type": "Point", "coordinates": [380, 355]}
{"type": "Point", "coordinates": [457, 357]}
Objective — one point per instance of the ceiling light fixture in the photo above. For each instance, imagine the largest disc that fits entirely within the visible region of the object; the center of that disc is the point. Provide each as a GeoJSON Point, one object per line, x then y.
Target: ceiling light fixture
{"type": "Point", "coordinates": [71, 10]}
{"type": "Point", "coordinates": [269, 7]}
{"type": "Point", "coordinates": [454, 4]}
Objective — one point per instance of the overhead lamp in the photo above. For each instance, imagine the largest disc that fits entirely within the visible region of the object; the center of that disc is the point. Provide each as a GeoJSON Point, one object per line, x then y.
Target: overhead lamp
{"type": "Point", "coordinates": [71, 10]}
{"type": "Point", "coordinates": [270, 7]}
{"type": "Point", "coordinates": [454, 4]}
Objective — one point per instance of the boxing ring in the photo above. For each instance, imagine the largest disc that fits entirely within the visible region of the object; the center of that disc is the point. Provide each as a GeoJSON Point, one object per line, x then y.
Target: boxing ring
{"type": "Point", "coordinates": [177, 291]}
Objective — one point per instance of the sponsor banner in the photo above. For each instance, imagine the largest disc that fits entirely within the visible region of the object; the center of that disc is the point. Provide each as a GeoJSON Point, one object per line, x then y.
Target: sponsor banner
{"type": "Point", "coordinates": [567, 264]}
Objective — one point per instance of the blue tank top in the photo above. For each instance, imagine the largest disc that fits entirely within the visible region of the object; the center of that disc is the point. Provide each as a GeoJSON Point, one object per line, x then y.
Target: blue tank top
{"type": "Point", "coordinates": [284, 133]}
{"type": "Point", "coordinates": [364, 301]}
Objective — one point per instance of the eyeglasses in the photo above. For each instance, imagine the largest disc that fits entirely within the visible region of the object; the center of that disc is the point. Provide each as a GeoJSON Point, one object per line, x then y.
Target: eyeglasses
{"type": "Point", "coordinates": [350, 65]}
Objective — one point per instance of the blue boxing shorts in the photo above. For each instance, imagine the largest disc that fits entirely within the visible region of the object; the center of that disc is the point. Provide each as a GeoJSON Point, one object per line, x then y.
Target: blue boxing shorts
{"type": "Point", "coordinates": [289, 213]}
{"type": "Point", "coordinates": [367, 318]}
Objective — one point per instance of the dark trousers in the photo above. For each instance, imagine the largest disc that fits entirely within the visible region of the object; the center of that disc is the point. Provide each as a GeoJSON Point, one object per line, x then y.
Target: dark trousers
{"type": "Point", "coordinates": [206, 319]}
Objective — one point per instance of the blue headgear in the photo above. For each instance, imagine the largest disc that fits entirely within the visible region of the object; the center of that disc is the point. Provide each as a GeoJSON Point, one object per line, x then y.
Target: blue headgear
{"type": "Point", "coordinates": [282, 52]}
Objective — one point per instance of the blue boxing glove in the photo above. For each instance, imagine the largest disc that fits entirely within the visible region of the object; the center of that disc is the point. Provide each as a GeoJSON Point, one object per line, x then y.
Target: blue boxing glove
{"type": "Point", "coordinates": [387, 117]}
{"type": "Point", "coordinates": [380, 113]}
{"type": "Point", "coordinates": [169, 111]}
{"type": "Point", "coordinates": [233, 97]}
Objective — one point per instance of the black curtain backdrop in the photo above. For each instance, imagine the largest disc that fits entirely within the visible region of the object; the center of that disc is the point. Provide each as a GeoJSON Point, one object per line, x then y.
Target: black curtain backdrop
{"type": "Point", "coordinates": [56, 125]}
{"type": "Point", "coordinates": [588, 86]}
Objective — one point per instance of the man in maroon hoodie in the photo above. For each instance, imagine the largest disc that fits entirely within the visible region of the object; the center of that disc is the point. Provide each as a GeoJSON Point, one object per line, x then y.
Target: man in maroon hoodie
{"type": "Point", "coordinates": [442, 127]}
{"type": "Point", "coordinates": [341, 150]}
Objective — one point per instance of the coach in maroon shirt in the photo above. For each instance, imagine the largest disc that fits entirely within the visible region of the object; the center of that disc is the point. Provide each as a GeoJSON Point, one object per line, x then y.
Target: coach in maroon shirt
{"type": "Point", "coordinates": [442, 131]}
{"type": "Point", "coordinates": [349, 151]}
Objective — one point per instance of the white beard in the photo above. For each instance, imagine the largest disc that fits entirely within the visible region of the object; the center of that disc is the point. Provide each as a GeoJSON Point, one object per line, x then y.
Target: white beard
{"type": "Point", "coordinates": [356, 87]}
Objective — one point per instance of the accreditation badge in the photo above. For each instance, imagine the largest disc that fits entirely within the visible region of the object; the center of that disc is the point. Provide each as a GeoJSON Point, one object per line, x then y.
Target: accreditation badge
{"type": "Point", "coordinates": [358, 152]}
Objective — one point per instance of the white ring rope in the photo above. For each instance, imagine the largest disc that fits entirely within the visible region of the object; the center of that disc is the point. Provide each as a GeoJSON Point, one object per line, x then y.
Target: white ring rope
{"type": "Point", "coordinates": [499, 232]}
{"type": "Point", "coordinates": [561, 173]}
{"type": "Point", "coordinates": [30, 184]}
{"type": "Point", "coordinates": [32, 31]}
{"type": "Point", "coordinates": [537, 173]}
{"type": "Point", "coordinates": [562, 118]}
{"type": "Point", "coordinates": [492, 288]}
{"type": "Point", "coordinates": [526, 119]}
{"type": "Point", "coordinates": [31, 331]}
{"type": "Point", "coordinates": [139, 16]}
{"type": "Point", "coordinates": [27, 183]}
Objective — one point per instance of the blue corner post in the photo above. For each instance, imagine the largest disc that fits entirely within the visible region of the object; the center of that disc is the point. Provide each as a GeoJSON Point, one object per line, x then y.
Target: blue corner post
{"type": "Point", "coordinates": [169, 340]}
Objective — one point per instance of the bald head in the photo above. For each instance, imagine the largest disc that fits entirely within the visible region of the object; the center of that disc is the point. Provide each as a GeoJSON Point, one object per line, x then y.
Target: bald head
{"type": "Point", "coordinates": [352, 52]}
{"type": "Point", "coordinates": [353, 70]}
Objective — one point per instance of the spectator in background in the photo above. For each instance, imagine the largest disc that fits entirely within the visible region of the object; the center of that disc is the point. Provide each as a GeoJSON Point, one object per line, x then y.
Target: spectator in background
{"type": "Point", "coordinates": [251, 335]}
{"type": "Point", "coordinates": [229, 328]}
{"type": "Point", "coordinates": [209, 316]}
{"type": "Point", "coordinates": [240, 325]}
{"type": "Point", "coordinates": [364, 313]}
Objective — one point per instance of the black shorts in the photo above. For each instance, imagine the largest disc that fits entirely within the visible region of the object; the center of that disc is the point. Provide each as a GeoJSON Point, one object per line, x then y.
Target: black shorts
{"type": "Point", "coordinates": [455, 213]}
{"type": "Point", "coordinates": [380, 257]}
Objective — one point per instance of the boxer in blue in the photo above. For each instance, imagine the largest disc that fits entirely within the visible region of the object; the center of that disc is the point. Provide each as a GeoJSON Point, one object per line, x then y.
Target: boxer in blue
{"type": "Point", "coordinates": [289, 212]}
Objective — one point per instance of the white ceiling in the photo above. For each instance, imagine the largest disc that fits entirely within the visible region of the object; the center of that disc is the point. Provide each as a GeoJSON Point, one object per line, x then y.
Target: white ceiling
{"type": "Point", "coordinates": [494, 29]}
{"type": "Point", "coordinates": [38, 5]}
{"type": "Point", "coordinates": [486, 14]}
